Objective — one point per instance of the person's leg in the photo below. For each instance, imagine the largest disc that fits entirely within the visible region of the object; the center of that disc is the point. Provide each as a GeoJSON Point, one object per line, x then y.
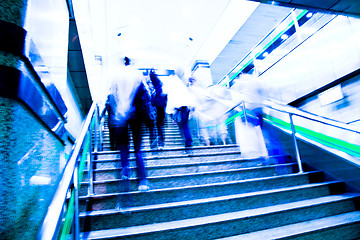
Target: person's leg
{"type": "Point", "coordinates": [151, 126]}
{"type": "Point", "coordinates": [185, 126]}
{"type": "Point", "coordinates": [122, 143]}
{"type": "Point", "coordinates": [112, 134]}
{"type": "Point", "coordinates": [122, 134]}
{"type": "Point", "coordinates": [135, 126]}
{"type": "Point", "coordinates": [160, 126]}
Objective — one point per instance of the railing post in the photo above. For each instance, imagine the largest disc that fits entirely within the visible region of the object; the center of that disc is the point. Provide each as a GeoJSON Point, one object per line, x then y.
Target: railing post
{"type": "Point", "coordinates": [76, 203]}
{"type": "Point", "coordinates": [96, 128]}
{"type": "Point", "coordinates": [90, 164]}
{"type": "Point", "coordinates": [101, 122]}
{"type": "Point", "coordinates": [244, 110]}
{"type": "Point", "coordinates": [295, 144]}
{"type": "Point", "coordinates": [101, 125]}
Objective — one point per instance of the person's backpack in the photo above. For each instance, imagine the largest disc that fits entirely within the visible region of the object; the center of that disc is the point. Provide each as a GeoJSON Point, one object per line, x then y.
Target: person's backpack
{"type": "Point", "coordinates": [143, 106]}
{"type": "Point", "coordinates": [160, 99]}
{"type": "Point", "coordinates": [150, 108]}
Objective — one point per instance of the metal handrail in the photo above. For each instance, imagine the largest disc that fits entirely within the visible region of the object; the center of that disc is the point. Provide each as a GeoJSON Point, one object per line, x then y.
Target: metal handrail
{"type": "Point", "coordinates": [268, 103]}
{"type": "Point", "coordinates": [310, 116]}
{"type": "Point", "coordinates": [53, 217]}
{"type": "Point", "coordinates": [291, 111]}
{"type": "Point", "coordinates": [296, 112]}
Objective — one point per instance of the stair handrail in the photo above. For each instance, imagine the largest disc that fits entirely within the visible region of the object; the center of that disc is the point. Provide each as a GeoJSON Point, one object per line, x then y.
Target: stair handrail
{"type": "Point", "coordinates": [52, 220]}
{"type": "Point", "coordinates": [291, 111]}
{"type": "Point", "coordinates": [310, 116]}
{"type": "Point", "coordinates": [272, 104]}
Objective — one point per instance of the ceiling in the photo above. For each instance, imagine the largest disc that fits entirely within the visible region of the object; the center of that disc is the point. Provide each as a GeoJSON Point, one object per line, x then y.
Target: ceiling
{"type": "Point", "coordinates": [77, 71]}
{"type": "Point", "coordinates": [343, 7]}
{"type": "Point", "coordinates": [247, 37]}
{"type": "Point", "coordinates": [167, 34]}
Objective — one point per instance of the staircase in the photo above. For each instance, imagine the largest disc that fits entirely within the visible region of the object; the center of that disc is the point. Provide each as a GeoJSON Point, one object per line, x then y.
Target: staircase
{"type": "Point", "coordinates": [214, 193]}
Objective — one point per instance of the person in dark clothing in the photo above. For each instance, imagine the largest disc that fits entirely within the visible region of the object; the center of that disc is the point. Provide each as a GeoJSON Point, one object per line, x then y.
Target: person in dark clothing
{"type": "Point", "coordinates": [183, 113]}
{"type": "Point", "coordinates": [159, 101]}
{"type": "Point", "coordinates": [149, 111]}
{"type": "Point", "coordinates": [125, 108]}
{"type": "Point", "coordinates": [113, 123]}
{"type": "Point", "coordinates": [138, 116]}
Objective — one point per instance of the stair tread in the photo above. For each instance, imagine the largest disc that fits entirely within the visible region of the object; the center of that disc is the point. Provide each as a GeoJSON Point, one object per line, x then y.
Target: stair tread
{"type": "Point", "coordinates": [205, 172]}
{"type": "Point", "coordinates": [193, 163]}
{"type": "Point", "coordinates": [236, 158]}
{"type": "Point", "coordinates": [208, 185]}
{"type": "Point", "coordinates": [202, 163]}
{"type": "Point", "coordinates": [180, 148]}
{"type": "Point", "coordinates": [180, 224]}
{"type": "Point", "coordinates": [301, 228]}
{"type": "Point", "coordinates": [223, 200]}
{"type": "Point", "coordinates": [206, 200]}
{"type": "Point", "coordinates": [185, 155]}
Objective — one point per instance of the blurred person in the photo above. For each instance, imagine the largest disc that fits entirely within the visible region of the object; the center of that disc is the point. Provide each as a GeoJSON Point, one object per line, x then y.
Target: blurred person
{"type": "Point", "coordinates": [113, 122]}
{"type": "Point", "coordinates": [200, 102]}
{"type": "Point", "coordinates": [160, 102]}
{"type": "Point", "coordinates": [224, 101]}
{"type": "Point", "coordinates": [180, 103]}
{"type": "Point", "coordinates": [254, 102]}
{"type": "Point", "coordinates": [139, 114]}
{"type": "Point", "coordinates": [250, 138]}
{"type": "Point", "coordinates": [129, 112]}
{"type": "Point", "coordinates": [222, 130]}
{"type": "Point", "coordinates": [212, 103]}
{"type": "Point", "coordinates": [150, 110]}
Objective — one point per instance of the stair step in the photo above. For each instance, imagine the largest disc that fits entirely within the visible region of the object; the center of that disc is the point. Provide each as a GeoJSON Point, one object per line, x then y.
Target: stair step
{"type": "Point", "coordinates": [200, 178]}
{"type": "Point", "coordinates": [236, 222]}
{"type": "Point", "coordinates": [146, 146]}
{"type": "Point", "coordinates": [176, 155]}
{"type": "Point", "coordinates": [146, 141]}
{"type": "Point", "coordinates": [109, 171]}
{"type": "Point", "coordinates": [171, 130]}
{"type": "Point", "coordinates": [148, 214]}
{"type": "Point", "coordinates": [167, 133]}
{"type": "Point", "coordinates": [177, 194]}
{"type": "Point", "coordinates": [181, 151]}
{"type": "Point", "coordinates": [344, 226]}
{"type": "Point", "coordinates": [203, 159]}
{"type": "Point", "coordinates": [193, 173]}
{"type": "Point", "coordinates": [213, 192]}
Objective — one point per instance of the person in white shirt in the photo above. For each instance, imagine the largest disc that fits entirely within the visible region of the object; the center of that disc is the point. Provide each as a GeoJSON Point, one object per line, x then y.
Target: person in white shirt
{"type": "Point", "coordinates": [180, 102]}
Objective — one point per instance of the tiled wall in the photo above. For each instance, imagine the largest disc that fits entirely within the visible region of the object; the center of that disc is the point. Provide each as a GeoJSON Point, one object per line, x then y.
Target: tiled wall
{"type": "Point", "coordinates": [29, 171]}
{"type": "Point", "coordinates": [30, 154]}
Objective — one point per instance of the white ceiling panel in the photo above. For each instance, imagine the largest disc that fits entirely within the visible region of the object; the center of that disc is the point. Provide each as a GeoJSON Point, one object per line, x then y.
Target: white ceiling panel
{"type": "Point", "coordinates": [258, 25]}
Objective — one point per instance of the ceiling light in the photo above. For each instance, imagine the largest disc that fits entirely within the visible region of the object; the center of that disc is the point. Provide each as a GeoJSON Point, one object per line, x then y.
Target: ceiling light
{"type": "Point", "coordinates": [190, 38]}
{"type": "Point", "coordinates": [284, 36]}
{"type": "Point", "coordinates": [119, 34]}
{"type": "Point", "coordinates": [309, 15]}
{"type": "Point", "coordinates": [186, 11]}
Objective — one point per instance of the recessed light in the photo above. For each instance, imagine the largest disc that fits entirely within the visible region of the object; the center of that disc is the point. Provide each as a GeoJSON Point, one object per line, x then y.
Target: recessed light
{"type": "Point", "coordinates": [284, 36]}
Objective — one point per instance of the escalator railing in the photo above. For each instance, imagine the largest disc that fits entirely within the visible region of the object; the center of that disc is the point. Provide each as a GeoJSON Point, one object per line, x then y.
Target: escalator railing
{"type": "Point", "coordinates": [62, 219]}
